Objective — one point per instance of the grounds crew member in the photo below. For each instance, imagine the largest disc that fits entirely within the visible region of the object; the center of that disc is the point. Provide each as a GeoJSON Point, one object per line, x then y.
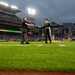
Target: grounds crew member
{"type": "Point", "coordinates": [47, 30]}
{"type": "Point", "coordinates": [24, 29]}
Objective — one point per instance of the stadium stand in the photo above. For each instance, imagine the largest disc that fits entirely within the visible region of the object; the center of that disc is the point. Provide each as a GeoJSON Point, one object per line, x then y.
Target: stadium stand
{"type": "Point", "coordinates": [10, 24]}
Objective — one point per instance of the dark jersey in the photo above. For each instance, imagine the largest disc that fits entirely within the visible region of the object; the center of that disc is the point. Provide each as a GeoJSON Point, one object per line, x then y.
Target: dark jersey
{"type": "Point", "coordinates": [25, 28]}
{"type": "Point", "coordinates": [24, 24]}
{"type": "Point", "coordinates": [46, 27]}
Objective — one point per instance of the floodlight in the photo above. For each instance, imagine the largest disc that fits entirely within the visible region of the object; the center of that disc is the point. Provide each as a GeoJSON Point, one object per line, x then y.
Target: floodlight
{"type": "Point", "coordinates": [14, 7]}
{"type": "Point", "coordinates": [3, 3]}
{"type": "Point", "coordinates": [31, 11]}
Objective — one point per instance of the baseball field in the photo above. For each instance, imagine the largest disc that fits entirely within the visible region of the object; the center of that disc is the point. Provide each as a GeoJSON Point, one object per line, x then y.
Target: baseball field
{"type": "Point", "coordinates": [38, 56]}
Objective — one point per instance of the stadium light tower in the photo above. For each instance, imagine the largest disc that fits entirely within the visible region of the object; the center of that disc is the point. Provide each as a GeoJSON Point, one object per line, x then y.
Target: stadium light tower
{"type": "Point", "coordinates": [31, 15]}
{"type": "Point", "coordinates": [31, 11]}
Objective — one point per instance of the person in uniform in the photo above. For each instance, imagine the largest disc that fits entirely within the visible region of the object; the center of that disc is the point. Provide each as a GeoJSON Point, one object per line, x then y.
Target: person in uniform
{"type": "Point", "coordinates": [47, 30]}
{"type": "Point", "coordinates": [24, 29]}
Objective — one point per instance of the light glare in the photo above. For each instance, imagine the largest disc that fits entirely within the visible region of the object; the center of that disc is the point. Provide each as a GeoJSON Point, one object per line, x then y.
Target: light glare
{"type": "Point", "coordinates": [14, 7]}
{"type": "Point", "coordinates": [3, 3]}
{"type": "Point", "coordinates": [31, 11]}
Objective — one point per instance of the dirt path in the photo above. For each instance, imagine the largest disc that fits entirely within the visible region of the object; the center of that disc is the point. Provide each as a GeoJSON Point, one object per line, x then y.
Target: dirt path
{"type": "Point", "coordinates": [34, 73]}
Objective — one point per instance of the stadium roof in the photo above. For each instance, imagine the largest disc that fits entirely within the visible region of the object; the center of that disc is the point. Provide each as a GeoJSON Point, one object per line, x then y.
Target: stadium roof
{"type": "Point", "coordinates": [9, 9]}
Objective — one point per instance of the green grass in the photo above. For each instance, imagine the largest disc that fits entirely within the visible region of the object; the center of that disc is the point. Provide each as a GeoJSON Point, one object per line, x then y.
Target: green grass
{"type": "Point", "coordinates": [49, 57]}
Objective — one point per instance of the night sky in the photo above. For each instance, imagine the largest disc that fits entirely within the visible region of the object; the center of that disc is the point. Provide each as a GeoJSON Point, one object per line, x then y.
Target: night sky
{"type": "Point", "coordinates": [58, 11]}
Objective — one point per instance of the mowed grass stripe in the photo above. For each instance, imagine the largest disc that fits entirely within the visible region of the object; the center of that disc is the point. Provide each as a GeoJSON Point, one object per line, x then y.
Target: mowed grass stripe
{"type": "Point", "coordinates": [48, 57]}
{"type": "Point", "coordinates": [19, 45]}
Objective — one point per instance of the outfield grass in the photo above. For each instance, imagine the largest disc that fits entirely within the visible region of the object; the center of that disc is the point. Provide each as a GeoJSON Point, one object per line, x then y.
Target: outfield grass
{"type": "Point", "coordinates": [59, 56]}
